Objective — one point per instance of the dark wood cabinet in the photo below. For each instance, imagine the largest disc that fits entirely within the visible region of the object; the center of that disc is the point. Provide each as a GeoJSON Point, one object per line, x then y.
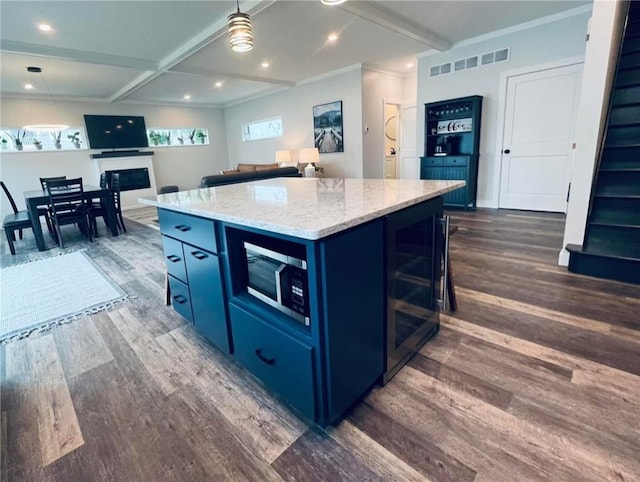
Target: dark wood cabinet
{"type": "Point", "coordinates": [451, 146]}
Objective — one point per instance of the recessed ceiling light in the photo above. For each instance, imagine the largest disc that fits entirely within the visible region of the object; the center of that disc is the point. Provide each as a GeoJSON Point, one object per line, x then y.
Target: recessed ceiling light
{"type": "Point", "coordinates": [332, 37]}
{"type": "Point", "coordinates": [264, 65]}
{"type": "Point", "coordinates": [218, 84]}
{"type": "Point", "coordinates": [44, 27]}
{"type": "Point", "coordinates": [187, 97]}
{"type": "Point", "coordinates": [409, 65]}
{"type": "Point", "coordinates": [332, 2]}
{"type": "Point", "coordinates": [28, 86]}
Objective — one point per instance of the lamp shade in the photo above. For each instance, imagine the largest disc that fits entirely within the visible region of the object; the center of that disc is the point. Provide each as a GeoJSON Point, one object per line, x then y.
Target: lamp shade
{"type": "Point", "coordinates": [240, 33]}
{"type": "Point", "coordinates": [283, 156]}
{"type": "Point", "coordinates": [309, 155]}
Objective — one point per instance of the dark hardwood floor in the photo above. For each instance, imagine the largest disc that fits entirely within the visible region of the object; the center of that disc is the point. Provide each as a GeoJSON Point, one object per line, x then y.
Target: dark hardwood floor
{"type": "Point", "coordinates": [535, 377]}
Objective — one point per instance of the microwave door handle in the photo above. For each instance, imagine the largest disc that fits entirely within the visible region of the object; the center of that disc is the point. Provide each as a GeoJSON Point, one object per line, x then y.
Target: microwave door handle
{"type": "Point", "coordinates": [279, 272]}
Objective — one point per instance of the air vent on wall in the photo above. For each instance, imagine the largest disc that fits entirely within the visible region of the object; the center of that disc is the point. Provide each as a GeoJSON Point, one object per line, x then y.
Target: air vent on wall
{"type": "Point", "coordinates": [501, 55]}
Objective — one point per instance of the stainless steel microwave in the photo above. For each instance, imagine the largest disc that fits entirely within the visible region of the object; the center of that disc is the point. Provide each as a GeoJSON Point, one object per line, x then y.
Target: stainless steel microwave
{"type": "Point", "coordinates": [279, 280]}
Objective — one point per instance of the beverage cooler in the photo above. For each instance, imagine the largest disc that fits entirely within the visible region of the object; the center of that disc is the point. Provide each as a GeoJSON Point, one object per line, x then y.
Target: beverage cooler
{"type": "Point", "coordinates": [415, 247]}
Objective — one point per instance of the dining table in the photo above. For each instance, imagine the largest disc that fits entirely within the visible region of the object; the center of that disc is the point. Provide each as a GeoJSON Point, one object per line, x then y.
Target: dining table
{"type": "Point", "coordinates": [40, 197]}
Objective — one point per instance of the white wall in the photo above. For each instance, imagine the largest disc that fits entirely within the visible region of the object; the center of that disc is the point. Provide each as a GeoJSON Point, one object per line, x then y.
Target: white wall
{"type": "Point", "coordinates": [376, 88]}
{"type": "Point", "coordinates": [295, 106]}
{"type": "Point", "coordinates": [557, 40]}
{"type": "Point", "coordinates": [183, 166]}
{"type": "Point", "coordinates": [607, 23]}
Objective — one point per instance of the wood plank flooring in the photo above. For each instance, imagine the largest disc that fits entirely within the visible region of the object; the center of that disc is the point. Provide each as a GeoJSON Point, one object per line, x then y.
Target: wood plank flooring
{"type": "Point", "coordinates": [535, 377]}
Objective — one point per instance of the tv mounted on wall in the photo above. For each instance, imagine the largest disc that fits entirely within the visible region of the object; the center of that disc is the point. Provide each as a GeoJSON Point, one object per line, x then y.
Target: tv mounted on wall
{"type": "Point", "coordinates": [116, 131]}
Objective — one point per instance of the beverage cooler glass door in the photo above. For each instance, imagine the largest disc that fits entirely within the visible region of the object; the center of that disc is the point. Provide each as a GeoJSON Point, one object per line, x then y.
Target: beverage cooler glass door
{"type": "Point", "coordinates": [414, 247]}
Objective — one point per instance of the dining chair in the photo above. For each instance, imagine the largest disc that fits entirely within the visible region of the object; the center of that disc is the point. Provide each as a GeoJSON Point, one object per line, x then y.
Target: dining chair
{"type": "Point", "coordinates": [68, 206]}
{"type": "Point", "coordinates": [17, 221]}
{"type": "Point", "coordinates": [46, 212]}
{"type": "Point", "coordinates": [98, 208]}
{"type": "Point", "coordinates": [45, 180]}
{"type": "Point", "coordinates": [115, 188]}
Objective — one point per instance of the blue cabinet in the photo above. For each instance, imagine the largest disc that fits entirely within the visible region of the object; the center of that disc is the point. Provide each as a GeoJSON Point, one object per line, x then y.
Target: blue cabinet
{"type": "Point", "coordinates": [452, 146]}
{"type": "Point", "coordinates": [180, 298]}
{"type": "Point", "coordinates": [361, 283]}
{"type": "Point", "coordinates": [207, 295]}
{"type": "Point", "coordinates": [194, 268]}
{"type": "Point", "coordinates": [283, 363]}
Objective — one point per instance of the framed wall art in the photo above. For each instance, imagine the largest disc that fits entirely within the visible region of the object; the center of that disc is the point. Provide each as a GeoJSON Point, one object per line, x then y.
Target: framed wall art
{"type": "Point", "coordinates": [327, 127]}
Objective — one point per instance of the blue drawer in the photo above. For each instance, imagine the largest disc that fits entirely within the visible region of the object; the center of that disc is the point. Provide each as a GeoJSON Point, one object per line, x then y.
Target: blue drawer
{"type": "Point", "coordinates": [174, 257]}
{"type": "Point", "coordinates": [284, 364]}
{"type": "Point", "coordinates": [190, 229]}
{"type": "Point", "coordinates": [455, 161]}
{"type": "Point", "coordinates": [432, 161]}
{"type": "Point", "coordinates": [180, 299]}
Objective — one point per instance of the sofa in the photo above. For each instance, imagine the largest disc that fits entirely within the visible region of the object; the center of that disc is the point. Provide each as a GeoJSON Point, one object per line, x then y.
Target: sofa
{"type": "Point", "coordinates": [248, 172]}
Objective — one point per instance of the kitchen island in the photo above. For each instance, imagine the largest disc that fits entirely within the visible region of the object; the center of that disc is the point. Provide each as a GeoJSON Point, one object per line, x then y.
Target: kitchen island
{"type": "Point", "coordinates": [319, 287]}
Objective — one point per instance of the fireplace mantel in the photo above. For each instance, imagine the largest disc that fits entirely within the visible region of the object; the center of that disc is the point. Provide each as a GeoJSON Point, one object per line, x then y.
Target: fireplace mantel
{"type": "Point", "coordinates": [107, 154]}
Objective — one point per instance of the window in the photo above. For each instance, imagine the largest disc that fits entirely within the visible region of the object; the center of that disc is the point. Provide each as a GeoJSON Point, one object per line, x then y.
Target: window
{"type": "Point", "coordinates": [17, 140]}
{"type": "Point", "coordinates": [169, 136]}
{"type": "Point", "coordinates": [262, 129]}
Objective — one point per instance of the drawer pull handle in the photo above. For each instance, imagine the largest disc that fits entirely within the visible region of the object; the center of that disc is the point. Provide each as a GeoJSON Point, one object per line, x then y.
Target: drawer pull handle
{"type": "Point", "coordinates": [183, 228]}
{"type": "Point", "coordinates": [173, 258]}
{"type": "Point", "coordinates": [199, 255]}
{"type": "Point", "coordinates": [180, 299]}
{"type": "Point", "coordinates": [268, 361]}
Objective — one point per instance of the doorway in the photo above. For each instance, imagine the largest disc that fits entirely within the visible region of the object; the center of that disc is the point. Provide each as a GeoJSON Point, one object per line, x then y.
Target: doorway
{"type": "Point", "coordinates": [537, 144]}
{"type": "Point", "coordinates": [391, 136]}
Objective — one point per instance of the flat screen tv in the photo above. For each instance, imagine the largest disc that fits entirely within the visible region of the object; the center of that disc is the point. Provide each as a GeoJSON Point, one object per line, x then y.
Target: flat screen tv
{"type": "Point", "coordinates": [116, 131]}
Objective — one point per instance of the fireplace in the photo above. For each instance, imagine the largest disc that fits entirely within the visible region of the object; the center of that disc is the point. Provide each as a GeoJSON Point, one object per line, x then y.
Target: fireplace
{"type": "Point", "coordinates": [131, 179]}
{"type": "Point", "coordinates": [137, 178]}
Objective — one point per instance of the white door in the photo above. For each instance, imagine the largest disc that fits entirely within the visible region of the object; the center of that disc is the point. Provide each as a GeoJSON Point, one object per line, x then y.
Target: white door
{"type": "Point", "coordinates": [391, 144]}
{"type": "Point", "coordinates": [540, 119]}
{"type": "Point", "coordinates": [409, 164]}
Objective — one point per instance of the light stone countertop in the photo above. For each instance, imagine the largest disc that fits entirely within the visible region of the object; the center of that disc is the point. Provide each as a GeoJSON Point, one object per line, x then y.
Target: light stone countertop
{"type": "Point", "coordinates": [307, 208]}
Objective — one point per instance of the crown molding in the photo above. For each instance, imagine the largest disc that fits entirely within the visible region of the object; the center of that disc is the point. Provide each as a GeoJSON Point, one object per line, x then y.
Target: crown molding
{"type": "Point", "coordinates": [251, 98]}
{"type": "Point", "coordinates": [327, 75]}
{"type": "Point", "coordinates": [572, 12]}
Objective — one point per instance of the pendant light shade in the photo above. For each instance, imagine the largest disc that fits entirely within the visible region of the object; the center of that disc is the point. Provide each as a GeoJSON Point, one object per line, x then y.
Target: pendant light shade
{"type": "Point", "coordinates": [240, 34]}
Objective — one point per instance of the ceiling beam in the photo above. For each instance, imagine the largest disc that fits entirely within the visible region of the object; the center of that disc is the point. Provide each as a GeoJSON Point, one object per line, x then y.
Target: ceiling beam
{"type": "Point", "coordinates": [218, 74]}
{"type": "Point", "coordinates": [384, 18]}
{"type": "Point", "coordinates": [191, 46]}
{"type": "Point", "coordinates": [76, 55]}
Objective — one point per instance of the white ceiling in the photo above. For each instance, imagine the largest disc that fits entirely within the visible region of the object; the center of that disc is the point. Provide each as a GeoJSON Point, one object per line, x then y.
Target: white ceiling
{"type": "Point", "coordinates": [159, 51]}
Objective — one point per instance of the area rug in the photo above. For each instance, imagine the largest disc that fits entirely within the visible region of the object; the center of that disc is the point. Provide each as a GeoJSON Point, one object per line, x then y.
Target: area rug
{"type": "Point", "coordinates": [37, 295]}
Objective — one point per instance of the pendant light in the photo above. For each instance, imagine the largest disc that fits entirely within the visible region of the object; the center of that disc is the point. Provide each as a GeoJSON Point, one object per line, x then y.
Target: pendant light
{"type": "Point", "coordinates": [240, 34]}
{"type": "Point", "coordinates": [42, 127]}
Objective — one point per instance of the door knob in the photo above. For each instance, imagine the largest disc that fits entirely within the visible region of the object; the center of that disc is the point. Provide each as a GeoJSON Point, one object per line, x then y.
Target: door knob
{"type": "Point", "coordinates": [507, 151]}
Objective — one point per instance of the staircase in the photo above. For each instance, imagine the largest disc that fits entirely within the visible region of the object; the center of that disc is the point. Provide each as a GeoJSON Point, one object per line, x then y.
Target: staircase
{"type": "Point", "coordinates": [611, 247]}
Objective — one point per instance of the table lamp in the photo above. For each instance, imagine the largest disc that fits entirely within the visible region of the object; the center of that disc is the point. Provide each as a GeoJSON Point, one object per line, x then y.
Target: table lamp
{"type": "Point", "coordinates": [283, 158]}
{"type": "Point", "coordinates": [309, 156]}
